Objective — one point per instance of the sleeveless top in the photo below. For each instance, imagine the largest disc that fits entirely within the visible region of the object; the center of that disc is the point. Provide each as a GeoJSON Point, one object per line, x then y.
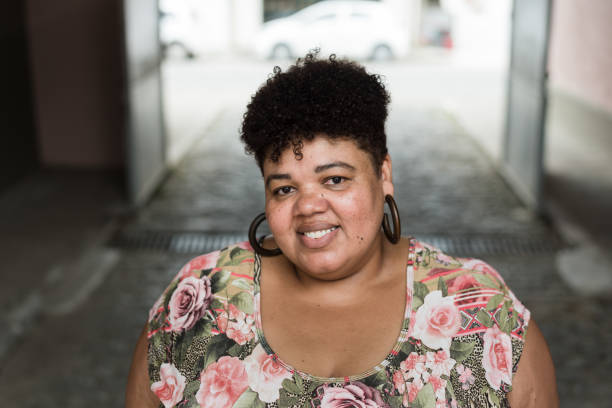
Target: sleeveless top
{"type": "Point", "coordinates": [459, 346]}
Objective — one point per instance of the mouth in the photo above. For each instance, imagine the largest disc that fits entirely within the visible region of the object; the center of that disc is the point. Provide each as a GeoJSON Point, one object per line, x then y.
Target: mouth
{"type": "Point", "coordinates": [319, 234]}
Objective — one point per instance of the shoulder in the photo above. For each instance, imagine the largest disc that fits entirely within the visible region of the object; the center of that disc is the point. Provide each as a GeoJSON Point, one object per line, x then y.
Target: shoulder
{"type": "Point", "coordinates": [197, 303]}
{"type": "Point", "coordinates": [199, 279]}
{"type": "Point", "coordinates": [205, 315]}
{"type": "Point", "coordinates": [461, 303]}
{"type": "Point", "coordinates": [473, 285]}
{"type": "Point", "coordinates": [470, 281]}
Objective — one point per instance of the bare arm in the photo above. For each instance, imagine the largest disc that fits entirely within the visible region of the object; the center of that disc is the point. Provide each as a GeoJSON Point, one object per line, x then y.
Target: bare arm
{"type": "Point", "coordinates": [534, 384]}
{"type": "Point", "coordinates": [138, 393]}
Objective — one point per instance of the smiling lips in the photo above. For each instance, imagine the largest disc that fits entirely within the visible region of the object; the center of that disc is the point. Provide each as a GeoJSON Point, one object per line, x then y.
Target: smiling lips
{"type": "Point", "coordinates": [319, 234]}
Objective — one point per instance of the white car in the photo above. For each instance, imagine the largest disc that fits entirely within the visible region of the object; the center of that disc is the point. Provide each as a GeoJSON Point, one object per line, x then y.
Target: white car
{"type": "Point", "coordinates": [177, 31]}
{"type": "Point", "coordinates": [359, 29]}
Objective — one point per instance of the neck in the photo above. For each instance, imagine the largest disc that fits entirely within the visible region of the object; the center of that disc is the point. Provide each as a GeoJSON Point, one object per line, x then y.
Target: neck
{"type": "Point", "coordinates": [353, 278]}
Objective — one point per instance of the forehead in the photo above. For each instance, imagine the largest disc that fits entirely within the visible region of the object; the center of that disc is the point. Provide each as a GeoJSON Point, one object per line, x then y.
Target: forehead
{"type": "Point", "coordinates": [320, 150]}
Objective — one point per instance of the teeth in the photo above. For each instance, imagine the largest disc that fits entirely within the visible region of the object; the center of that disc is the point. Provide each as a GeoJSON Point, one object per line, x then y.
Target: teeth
{"type": "Point", "coordinates": [319, 234]}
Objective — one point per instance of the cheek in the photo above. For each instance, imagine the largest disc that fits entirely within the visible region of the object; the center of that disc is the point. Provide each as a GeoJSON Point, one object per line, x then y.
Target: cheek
{"type": "Point", "coordinates": [278, 218]}
{"type": "Point", "coordinates": [361, 213]}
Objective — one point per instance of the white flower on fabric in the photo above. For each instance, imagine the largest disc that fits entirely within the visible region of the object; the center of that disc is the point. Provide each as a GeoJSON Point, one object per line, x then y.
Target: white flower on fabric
{"type": "Point", "coordinates": [265, 373]}
{"type": "Point", "coordinates": [439, 362]}
{"type": "Point", "coordinates": [169, 389]}
{"type": "Point", "coordinates": [237, 325]}
{"type": "Point", "coordinates": [437, 320]}
{"type": "Point", "coordinates": [497, 357]}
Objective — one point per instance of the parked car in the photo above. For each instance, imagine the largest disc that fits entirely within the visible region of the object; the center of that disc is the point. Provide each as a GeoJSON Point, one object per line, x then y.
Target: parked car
{"type": "Point", "coordinates": [360, 29]}
{"type": "Point", "coordinates": [176, 29]}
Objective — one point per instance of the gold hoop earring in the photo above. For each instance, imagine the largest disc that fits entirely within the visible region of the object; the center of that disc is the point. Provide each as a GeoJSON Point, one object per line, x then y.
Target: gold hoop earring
{"type": "Point", "coordinates": [395, 235]}
{"type": "Point", "coordinates": [255, 243]}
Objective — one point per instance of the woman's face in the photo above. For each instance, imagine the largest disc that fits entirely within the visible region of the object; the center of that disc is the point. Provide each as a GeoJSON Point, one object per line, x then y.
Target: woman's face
{"type": "Point", "coordinates": [325, 210]}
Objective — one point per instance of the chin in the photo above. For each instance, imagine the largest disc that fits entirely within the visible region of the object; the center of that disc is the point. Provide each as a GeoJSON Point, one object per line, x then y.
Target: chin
{"type": "Point", "coordinates": [320, 265]}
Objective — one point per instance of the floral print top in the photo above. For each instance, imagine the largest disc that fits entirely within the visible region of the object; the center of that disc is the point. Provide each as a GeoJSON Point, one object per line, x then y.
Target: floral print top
{"type": "Point", "coordinates": [460, 342]}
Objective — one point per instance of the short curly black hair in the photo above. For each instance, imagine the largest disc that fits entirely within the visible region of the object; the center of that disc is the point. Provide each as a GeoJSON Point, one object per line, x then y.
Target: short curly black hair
{"type": "Point", "coordinates": [334, 97]}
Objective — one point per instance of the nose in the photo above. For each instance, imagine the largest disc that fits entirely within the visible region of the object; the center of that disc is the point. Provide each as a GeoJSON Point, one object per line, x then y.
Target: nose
{"type": "Point", "coordinates": [310, 203]}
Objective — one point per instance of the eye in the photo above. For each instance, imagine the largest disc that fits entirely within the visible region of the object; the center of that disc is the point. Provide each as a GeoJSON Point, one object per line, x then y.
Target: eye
{"type": "Point", "coordinates": [335, 180]}
{"type": "Point", "coordinates": [284, 190]}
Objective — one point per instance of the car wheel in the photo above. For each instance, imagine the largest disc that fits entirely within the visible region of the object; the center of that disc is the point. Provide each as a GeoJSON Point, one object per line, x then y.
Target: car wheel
{"type": "Point", "coordinates": [382, 52]}
{"type": "Point", "coordinates": [281, 51]}
{"type": "Point", "coordinates": [177, 50]}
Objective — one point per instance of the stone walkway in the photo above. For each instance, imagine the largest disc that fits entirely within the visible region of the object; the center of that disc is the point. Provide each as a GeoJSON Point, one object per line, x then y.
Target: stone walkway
{"type": "Point", "coordinates": [445, 187]}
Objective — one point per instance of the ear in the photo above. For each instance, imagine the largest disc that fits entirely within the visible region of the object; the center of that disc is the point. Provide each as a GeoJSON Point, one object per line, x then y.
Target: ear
{"type": "Point", "coordinates": [386, 175]}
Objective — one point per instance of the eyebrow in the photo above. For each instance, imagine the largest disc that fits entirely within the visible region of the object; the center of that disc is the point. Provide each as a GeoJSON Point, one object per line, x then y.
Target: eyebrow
{"type": "Point", "coordinates": [318, 169]}
{"type": "Point", "coordinates": [283, 176]}
{"type": "Point", "coordinates": [328, 166]}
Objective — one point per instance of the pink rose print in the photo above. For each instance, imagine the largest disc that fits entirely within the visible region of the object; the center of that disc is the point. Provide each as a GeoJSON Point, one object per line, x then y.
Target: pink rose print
{"type": "Point", "coordinates": [413, 366]}
{"type": "Point", "coordinates": [265, 373]}
{"type": "Point", "coordinates": [463, 283]}
{"type": "Point", "coordinates": [399, 382]}
{"type": "Point", "coordinates": [437, 320]}
{"type": "Point", "coordinates": [465, 376]}
{"type": "Point", "coordinates": [417, 370]}
{"type": "Point", "coordinates": [439, 386]}
{"type": "Point", "coordinates": [352, 395]}
{"type": "Point", "coordinates": [222, 383]}
{"type": "Point", "coordinates": [238, 326]}
{"type": "Point", "coordinates": [407, 385]}
{"type": "Point", "coordinates": [439, 362]}
{"type": "Point", "coordinates": [413, 389]}
{"type": "Point", "coordinates": [497, 357]}
{"type": "Point", "coordinates": [245, 245]}
{"type": "Point", "coordinates": [408, 380]}
{"type": "Point", "coordinates": [201, 262]}
{"type": "Point", "coordinates": [169, 389]}
{"type": "Point", "coordinates": [189, 302]}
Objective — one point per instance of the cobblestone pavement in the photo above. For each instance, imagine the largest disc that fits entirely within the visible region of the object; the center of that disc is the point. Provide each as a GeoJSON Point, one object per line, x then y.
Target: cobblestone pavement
{"type": "Point", "coordinates": [445, 186]}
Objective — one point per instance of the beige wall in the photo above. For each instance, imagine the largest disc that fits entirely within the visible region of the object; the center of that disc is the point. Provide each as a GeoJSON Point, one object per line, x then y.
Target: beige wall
{"type": "Point", "coordinates": [578, 185]}
{"type": "Point", "coordinates": [75, 50]}
{"type": "Point", "coordinates": [580, 59]}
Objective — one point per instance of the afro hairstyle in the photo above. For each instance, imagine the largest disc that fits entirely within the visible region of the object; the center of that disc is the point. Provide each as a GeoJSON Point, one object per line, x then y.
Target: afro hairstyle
{"type": "Point", "coordinates": [330, 97]}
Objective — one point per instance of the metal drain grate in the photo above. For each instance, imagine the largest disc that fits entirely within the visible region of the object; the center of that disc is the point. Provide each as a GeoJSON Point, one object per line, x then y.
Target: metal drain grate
{"type": "Point", "coordinates": [459, 245]}
{"type": "Point", "coordinates": [478, 245]}
{"type": "Point", "coordinates": [175, 241]}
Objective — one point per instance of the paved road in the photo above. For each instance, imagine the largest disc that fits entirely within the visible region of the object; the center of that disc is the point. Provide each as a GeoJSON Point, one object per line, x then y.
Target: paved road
{"type": "Point", "coordinates": [445, 187]}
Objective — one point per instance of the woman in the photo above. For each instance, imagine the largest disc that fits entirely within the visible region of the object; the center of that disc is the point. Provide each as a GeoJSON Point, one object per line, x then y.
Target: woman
{"type": "Point", "coordinates": [334, 309]}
